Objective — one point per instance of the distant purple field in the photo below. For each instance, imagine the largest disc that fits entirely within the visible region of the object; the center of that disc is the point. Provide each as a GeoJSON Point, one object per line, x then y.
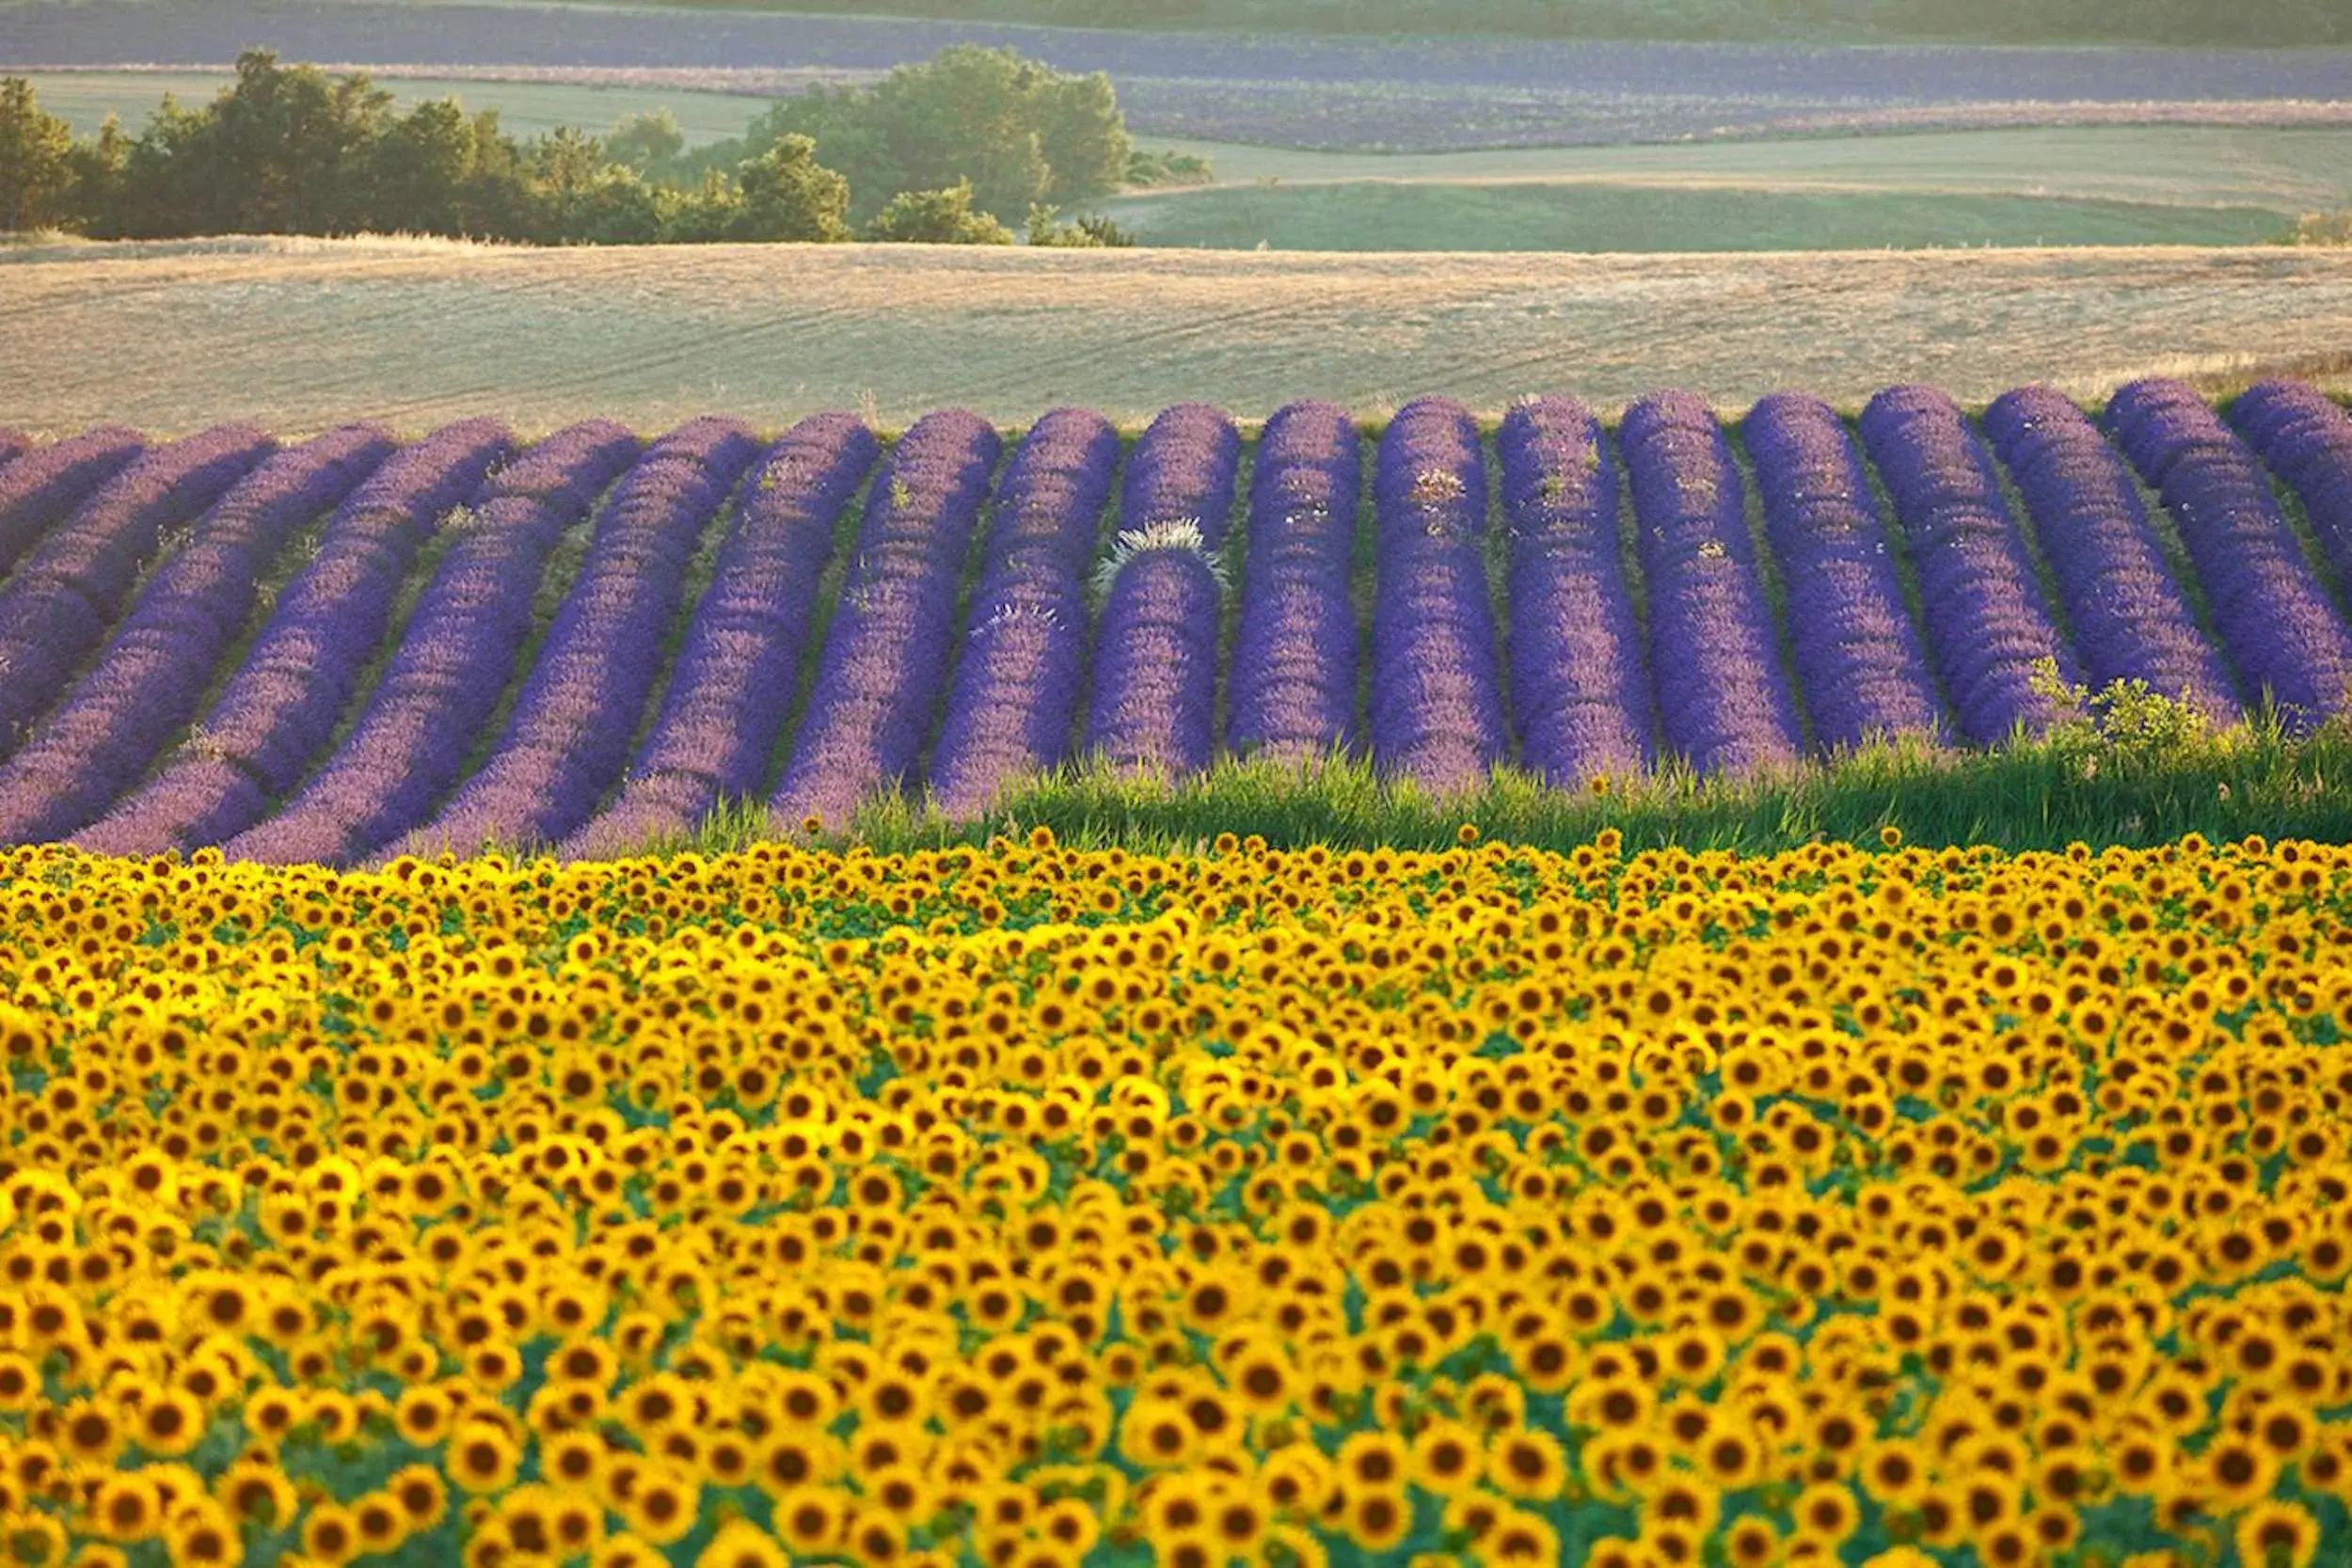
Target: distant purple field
{"type": "Point", "coordinates": [1605, 605]}
{"type": "Point", "coordinates": [1366, 94]}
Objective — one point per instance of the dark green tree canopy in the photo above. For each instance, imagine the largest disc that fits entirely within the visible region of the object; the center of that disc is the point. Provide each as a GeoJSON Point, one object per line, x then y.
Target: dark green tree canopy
{"type": "Point", "coordinates": [1017, 131]}
{"type": "Point", "coordinates": [935, 153]}
{"type": "Point", "coordinates": [36, 159]}
{"type": "Point", "coordinates": [937, 217]}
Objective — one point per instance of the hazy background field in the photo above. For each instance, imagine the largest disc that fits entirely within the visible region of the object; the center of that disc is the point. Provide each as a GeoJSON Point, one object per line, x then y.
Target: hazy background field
{"type": "Point", "coordinates": [2030, 185]}
{"type": "Point", "coordinates": [303, 334]}
{"type": "Point", "coordinates": [1592, 143]}
{"type": "Point", "coordinates": [2144, 186]}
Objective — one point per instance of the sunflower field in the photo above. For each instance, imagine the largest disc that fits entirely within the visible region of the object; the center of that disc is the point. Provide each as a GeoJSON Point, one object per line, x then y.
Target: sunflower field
{"type": "Point", "coordinates": [1029, 1207]}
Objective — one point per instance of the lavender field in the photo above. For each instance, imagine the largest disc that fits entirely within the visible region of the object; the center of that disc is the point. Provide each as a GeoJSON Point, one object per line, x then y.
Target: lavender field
{"type": "Point", "coordinates": [1360, 94]}
{"type": "Point", "coordinates": [343, 648]}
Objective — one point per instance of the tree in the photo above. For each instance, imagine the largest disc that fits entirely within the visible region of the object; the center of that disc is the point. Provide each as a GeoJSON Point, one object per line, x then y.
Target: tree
{"type": "Point", "coordinates": [787, 195]}
{"type": "Point", "coordinates": [937, 217]}
{"type": "Point", "coordinates": [566, 166]}
{"type": "Point", "coordinates": [1017, 131]}
{"type": "Point", "coordinates": [648, 143]}
{"type": "Point", "coordinates": [498, 201]}
{"type": "Point", "coordinates": [36, 159]}
{"type": "Point", "coordinates": [97, 168]}
{"type": "Point", "coordinates": [1084, 138]}
{"type": "Point", "coordinates": [418, 171]}
{"type": "Point", "coordinates": [154, 196]}
{"type": "Point", "coordinates": [1091, 232]}
{"type": "Point", "coordinates": [277, 152]}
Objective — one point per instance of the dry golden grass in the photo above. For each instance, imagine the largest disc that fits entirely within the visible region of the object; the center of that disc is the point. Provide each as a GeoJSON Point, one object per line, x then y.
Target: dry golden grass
{"type": "Point", "coordinates": [301, 335]}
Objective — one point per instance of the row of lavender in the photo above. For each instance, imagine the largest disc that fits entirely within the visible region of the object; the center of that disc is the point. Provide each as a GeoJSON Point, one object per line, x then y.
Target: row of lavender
{"type": "Point", "coordinates": [140, 708]}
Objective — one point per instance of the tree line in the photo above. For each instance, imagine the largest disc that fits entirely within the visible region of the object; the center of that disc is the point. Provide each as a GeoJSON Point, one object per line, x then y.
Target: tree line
{"type": "Point", "coordinates": [959, 149]}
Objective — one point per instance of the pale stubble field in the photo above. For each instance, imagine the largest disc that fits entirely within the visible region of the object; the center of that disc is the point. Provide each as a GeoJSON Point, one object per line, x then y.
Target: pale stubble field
{"type": "Point", "coordinates": [300, 335]}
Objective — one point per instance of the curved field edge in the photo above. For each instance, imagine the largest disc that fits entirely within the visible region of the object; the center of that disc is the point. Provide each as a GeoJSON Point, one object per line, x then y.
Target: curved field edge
{"type": "Point", "coordinates": [304, 335]}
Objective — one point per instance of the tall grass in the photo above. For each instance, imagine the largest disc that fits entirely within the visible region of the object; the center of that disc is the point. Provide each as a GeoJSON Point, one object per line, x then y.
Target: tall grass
{"type": "Point", "coordinates": [2128, 768]}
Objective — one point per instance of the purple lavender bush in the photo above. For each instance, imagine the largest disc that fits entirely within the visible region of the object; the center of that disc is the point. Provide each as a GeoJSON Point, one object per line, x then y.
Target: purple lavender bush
{"type": "Point", "coordinates": [1156, 664]}
{"type": "Point", "coordinates": [1579, 695]}
{"type": "Point", "coordinates": [1436, 702]}
{"type": "Point", "coordinates": [1153, 709]}
{"type": "Point", "coordinates": [39, 487]}
{"type": "Point", "coordinates": [578, 713]}
{"type": "Point", "coordinates": [2130, 619]}
{"type": "Point", "coordinates": [1183, 470]}
{"type": "Point", "coordinates": [2306, 438]}
{"type": "Point", "coordinates": [1290, 693]}
{"type": "Point", "coordinates": [1988, 624]}
{"type": "Point", "coordinates": [153, 674]}
{"type": "Point", "coordinates": [886, 656]}
{"type": "Point", "coordinates": [1015, 697]}
{"type": "Point", "coordinates": [2269, 609]}
{"type": "Point", "coordinates": [279, 707]}
{"type": "Point", "coordinates": [65, 594]}
{"type": "Point", "coordinates": [420, 724]}
{"type": "Point", "coordinates": [1857, 655]}
{"type": "Point", "coordinates": [735, 672]}
{"type": "Point", "coordinates": [1723, 700]}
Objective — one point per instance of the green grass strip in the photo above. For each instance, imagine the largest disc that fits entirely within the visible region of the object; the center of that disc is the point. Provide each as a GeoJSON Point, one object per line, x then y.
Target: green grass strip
{"type": "Point", "coordinates": [2129, 770]}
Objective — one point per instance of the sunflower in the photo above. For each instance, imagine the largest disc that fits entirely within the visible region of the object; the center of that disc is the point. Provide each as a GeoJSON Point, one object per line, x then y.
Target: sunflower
{"type": "Point", "coordinates": [1826, 1513]}
{"type": "Point", "coordinates": [1262, 1378]}
{"type": "Point", "coordinates": [330, 1534]}
{"type": "Point", "coordinates": [33, 1539]}
{"type": "Point", "coordinates": [1296, 1480]}
{"type": "Point", "coordinates": [91, 1431]}
{"type": "Point", "coordinates": [1377, 1518]}
{"type": "Point", "coordinates": [1545, 1362]}
{"type": "Point", "coordinates": [203, 1538]}
{"type": "Point", "coordinates": [1612, 1404]}
{"type": "Point", "coordinates": [810, 1520]}
{"type": "Point", "coordinates": [1157, 1434]}
{"type": "Point", "coordinates": [124, 1508]}
{"type": "Point", "coordinates": [482, 1458]}
{"type": "Point", "coordinates": [1070, 1526]}
{"type": "Point", "coordinates": [1238, 1522]}
{"type": "Point", "coordinates": [1730, 1459]}
{"type": "Point", "coordinates": [381, 1521]}
{"type": "Point", "coordinates": [628, 1551]}
{"type": "Point", "coordinates": [422, 1416]}
{"type": "Point", "coordinates": [740, 1544]}
{"type": "Point", "coordinates": [19, 1382]}
{"type": "Point", "coordinates": [257, 1493]}
{"type": "Point", "coordinates": [2276, 1534]}
{"type": "Point", "coordinates": [2237, 1472]}
{"type": "Point", "coordinates": [1896, 1471]}
{"type": "Point", "coordinates": [169, 1424]}
{"type": "Point", "coordinates": [1682, 1499]}
{"type": "Point", "coordinates": [1446, 1458]}
{"type": "Point", "coordinates": [1751, 1543]}
{"type": "Point", "coordinates": [525, 1516]}
{"type": "Point", "coordinates": [1521, 1537]}
{"type": "Point", "coordinates": [421, 1494]}
{"type": "Point", "coordinates": [1528, 1466]}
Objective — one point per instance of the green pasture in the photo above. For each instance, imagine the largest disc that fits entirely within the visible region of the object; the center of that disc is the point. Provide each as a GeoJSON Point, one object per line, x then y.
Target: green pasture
{"type": "Point", "coordinates": [1608, 216]}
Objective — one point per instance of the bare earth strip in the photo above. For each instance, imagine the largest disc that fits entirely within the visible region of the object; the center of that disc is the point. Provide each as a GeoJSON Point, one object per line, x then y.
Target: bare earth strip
{"type": "Point", "coordinates": [302, 335]}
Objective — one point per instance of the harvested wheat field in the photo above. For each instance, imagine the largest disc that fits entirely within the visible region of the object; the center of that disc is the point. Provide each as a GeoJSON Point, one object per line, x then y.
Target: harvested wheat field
{"type": "Point", "coordinates": [302, 335]}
